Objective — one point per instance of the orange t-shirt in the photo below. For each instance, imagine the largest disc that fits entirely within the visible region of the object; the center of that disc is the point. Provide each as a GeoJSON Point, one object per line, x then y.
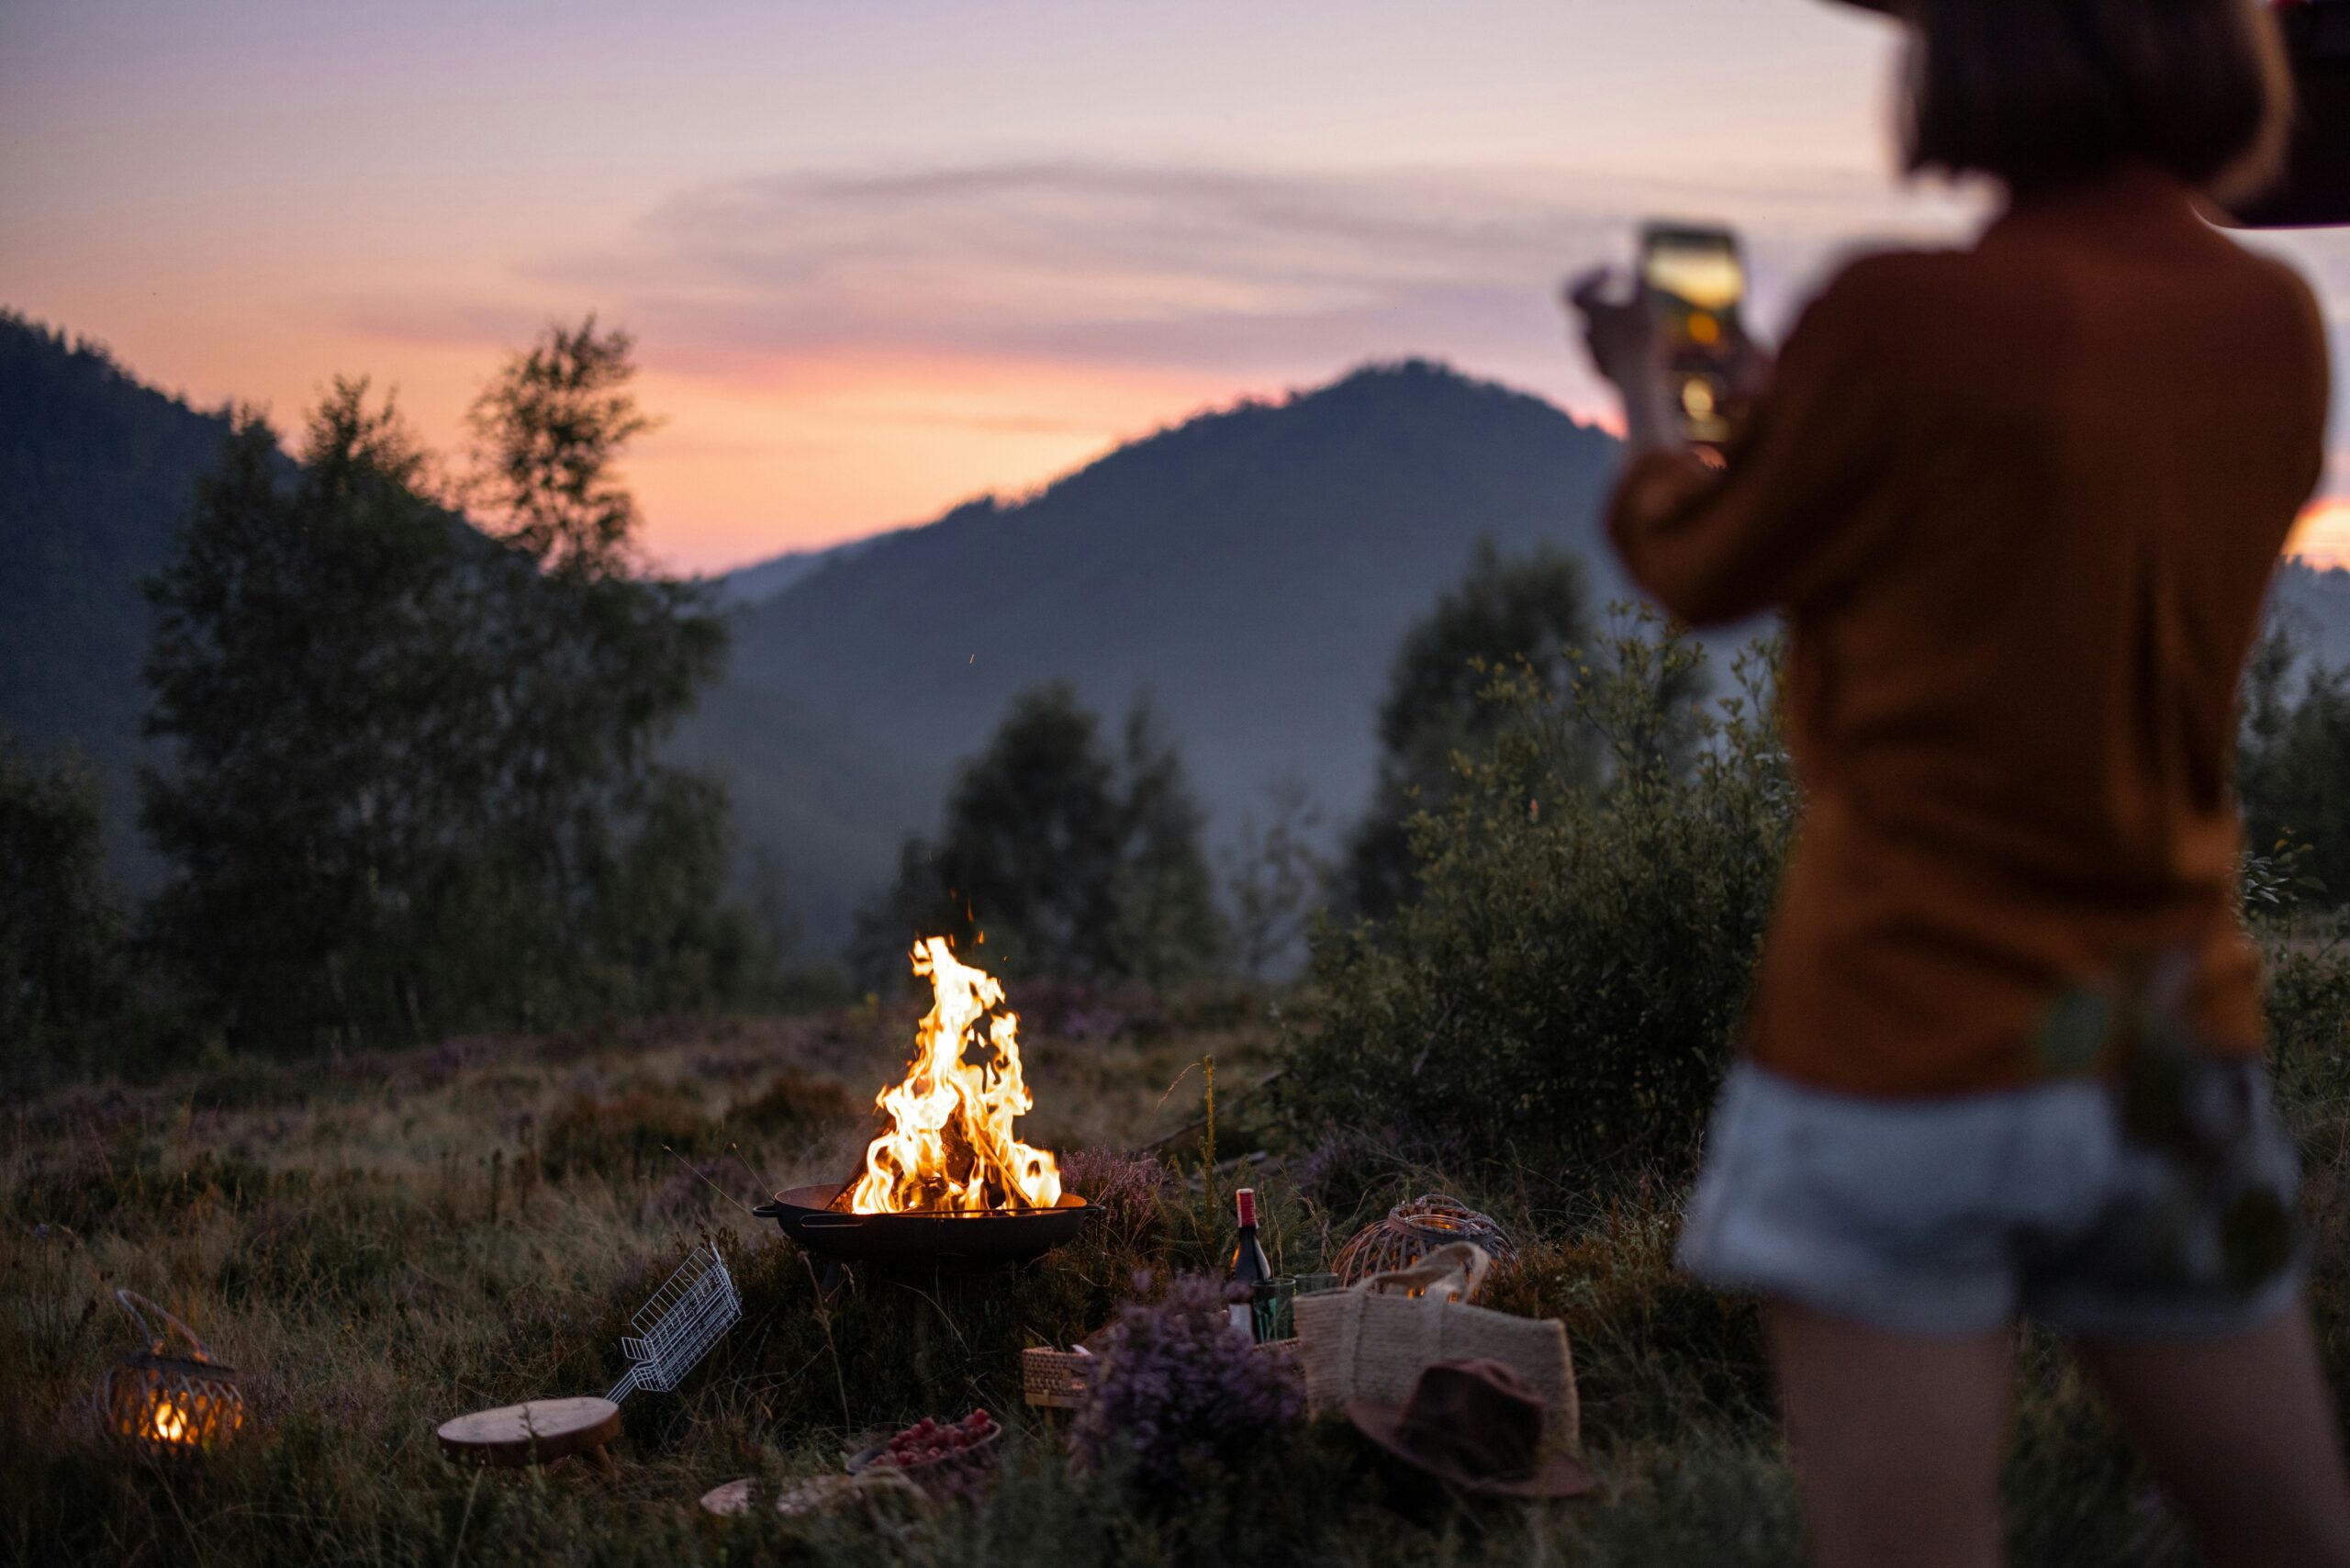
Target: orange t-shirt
{"type": "Point", "coordinates": [2019, 505]}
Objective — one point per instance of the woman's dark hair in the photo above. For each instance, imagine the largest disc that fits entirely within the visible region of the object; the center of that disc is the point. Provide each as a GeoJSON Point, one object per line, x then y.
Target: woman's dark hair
{"type": "Point", "coordinates": [2043, 93]}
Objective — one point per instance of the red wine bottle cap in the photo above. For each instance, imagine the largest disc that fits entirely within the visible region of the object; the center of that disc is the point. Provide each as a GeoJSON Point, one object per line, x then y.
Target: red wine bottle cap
{"type": "Point", "coordinates": [1247, 1200]}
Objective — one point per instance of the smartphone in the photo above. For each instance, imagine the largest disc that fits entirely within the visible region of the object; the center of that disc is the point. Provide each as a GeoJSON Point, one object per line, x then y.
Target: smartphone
{"type": "Point", "coordinates": [1696, 280]}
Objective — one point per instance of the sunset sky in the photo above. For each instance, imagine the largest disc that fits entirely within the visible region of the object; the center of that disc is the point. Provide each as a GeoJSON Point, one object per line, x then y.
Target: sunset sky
{"type": "Point", "coordinates": [883, 255]}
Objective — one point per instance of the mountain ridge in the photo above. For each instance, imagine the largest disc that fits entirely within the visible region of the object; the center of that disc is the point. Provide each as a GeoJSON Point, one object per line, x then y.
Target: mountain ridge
{"type": "Point", "coordinates": [1251, 566]}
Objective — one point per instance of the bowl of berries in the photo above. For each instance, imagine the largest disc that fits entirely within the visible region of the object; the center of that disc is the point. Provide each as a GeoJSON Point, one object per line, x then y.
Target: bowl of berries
{"type": "Point", "coordinates": [945, 1458]}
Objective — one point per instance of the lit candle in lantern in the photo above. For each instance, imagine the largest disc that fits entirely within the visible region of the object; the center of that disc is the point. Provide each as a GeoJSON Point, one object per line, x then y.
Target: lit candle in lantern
{"type": "Point", "coordinates": [170, 1407]}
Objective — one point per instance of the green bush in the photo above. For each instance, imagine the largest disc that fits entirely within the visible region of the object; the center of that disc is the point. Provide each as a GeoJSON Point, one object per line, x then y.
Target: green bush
{"type": "Point", "coordinates": [2293, 766]}
{"type": "Point", "coordinates": [1561, 993]}
{"type": "Point", "coordinates": [61, 978]}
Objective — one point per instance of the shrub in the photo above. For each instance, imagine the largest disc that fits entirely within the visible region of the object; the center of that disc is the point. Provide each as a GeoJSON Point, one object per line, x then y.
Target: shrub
{"type": "Point", "coordinates": [61, 934]}
{"type": "Point", "coordinates": [2308, 1005]}
{"type": "Point", "coordinates": [1563, 989]}
{"type": "Point", "coordinates": [2293, 763]}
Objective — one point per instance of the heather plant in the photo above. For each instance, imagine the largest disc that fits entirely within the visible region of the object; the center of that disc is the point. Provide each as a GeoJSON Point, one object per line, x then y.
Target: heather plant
{"type": "Point", "coordinates": [60, 931]}
{"type": "Point", "coordinates": [1181, 1389]}
{"type": "Point", "coordinates": [2306, 966]}
{"type": "Point", "coordinates": [349, 1237]}
{"type": "Point", "coordinates": [1127, 1192]}
{"type": "Point", "coordinates": [1560, 994]}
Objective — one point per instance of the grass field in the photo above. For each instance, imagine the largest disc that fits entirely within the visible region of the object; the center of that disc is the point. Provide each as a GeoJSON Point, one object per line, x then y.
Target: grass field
{"type": "Point", "coordinates": [380, 1242]}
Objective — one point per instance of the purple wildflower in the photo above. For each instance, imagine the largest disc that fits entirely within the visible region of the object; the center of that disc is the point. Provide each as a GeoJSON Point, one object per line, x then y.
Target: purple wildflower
{"type": "Point", "coordinates": [1180, 1386]}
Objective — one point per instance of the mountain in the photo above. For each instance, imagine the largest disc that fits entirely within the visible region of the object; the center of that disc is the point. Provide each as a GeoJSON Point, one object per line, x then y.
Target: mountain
{"type": "Point", "coordinates": [765, 579]}
{"type": "Point", "coordinates": [95, 473]}
{"type": "Point", "coordinates": [819, 806]}
{"type": "Point", "coordinates": [1252, 570]}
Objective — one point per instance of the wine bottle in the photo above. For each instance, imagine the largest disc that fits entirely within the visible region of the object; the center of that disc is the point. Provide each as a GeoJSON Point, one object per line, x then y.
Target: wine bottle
{"type": "Point", "coordinates": [1250, 1273]}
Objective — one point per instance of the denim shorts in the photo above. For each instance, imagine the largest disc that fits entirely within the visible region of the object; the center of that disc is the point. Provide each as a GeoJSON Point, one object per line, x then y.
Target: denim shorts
{"type": "Point", "coordinates": [1954, 1217]}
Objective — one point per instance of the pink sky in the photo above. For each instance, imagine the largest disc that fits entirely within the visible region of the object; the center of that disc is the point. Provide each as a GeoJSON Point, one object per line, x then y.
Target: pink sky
{"type": "Point", "coordinates": [883, 257]}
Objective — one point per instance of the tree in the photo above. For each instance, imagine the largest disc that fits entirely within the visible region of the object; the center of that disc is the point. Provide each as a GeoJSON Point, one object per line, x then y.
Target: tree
{"type": "Point", "coordinates": [1064, 859]}
{"type": "Point", "coordinates": [595, 660]}
{"type": "Point", "coordinates": [300, 636]}
{"type": "Point", "coordinates": [1165, 926]}
{"type": "Point", "coordinates": [548, 433]}
{"type": "Point", "coordinates": [416, 785]}
{"type": "Point", "coordinates": [1565, 990]}
{"type": "Point", "coordinates": [2293, 767]}
{"type": "Point", "coordinates": [61, 932]}
{"type": "Point", "coordinates": [1501, 616]}
{"type": "Point", "coordinates": [1274, 877]}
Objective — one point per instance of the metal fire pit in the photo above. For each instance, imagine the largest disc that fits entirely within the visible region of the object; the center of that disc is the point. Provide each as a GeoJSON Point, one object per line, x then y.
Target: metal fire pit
{"type": "Point", "coordinates": [930, 1238]}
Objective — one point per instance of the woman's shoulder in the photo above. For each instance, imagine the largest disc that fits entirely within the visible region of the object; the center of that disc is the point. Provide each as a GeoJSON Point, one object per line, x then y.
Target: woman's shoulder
{"type": "Point", "coordinates": [1863, 282]}
{"type": "Point", "coordinates": [1883, 295]}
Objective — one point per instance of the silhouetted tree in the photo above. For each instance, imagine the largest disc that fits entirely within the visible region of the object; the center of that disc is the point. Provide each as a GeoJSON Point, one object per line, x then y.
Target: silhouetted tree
{"type": "Point", "coordinates": [1165, 926]}
{"type": "Point", "coordinates": [1067, 860]}
{"type": "Point", "coordinates": [415, 785]}
{"type": "Point", "coordinates": [1274, 879]}
{"type": "Point", "coordinates": [61, 932]}
{"type": "Point", "coordinates": [548, 433]}
{"type": "Point", "coordinates": [1502, 613]}
{"type": "Point", "coordinates": [2293, 766]}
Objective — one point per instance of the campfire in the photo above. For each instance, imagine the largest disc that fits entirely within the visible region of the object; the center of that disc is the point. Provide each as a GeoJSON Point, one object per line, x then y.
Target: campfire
{"type": "Point", "coordinates": [946, 1184]}
{"type": "Point", "coordinates": [949, 1144]}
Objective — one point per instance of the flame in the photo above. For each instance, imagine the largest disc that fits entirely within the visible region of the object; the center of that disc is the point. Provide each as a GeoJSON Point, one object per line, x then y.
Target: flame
{"type": "Point", "coordinates": [949, 1144]}
{"type": "Point", "coordinates": [167, 1421]}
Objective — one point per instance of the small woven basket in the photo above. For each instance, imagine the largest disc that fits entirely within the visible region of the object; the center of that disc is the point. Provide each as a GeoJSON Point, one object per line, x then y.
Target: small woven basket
{"type": "Point", "coordinates": [1054, 1380]}
{"type": "Point", "coordinates": [1413, 1230]}
{"type": "Point", "coordinates": [169, 1407]}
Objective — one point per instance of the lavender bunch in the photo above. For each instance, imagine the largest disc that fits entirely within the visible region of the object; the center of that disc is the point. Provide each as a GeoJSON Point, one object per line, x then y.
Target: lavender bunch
{"type": "Point", "coordinates": [1180, 1387]}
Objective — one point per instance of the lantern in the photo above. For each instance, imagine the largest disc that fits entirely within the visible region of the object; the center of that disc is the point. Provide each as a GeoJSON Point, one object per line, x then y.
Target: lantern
{"type": "Point", "coordinates": [169, 1406]}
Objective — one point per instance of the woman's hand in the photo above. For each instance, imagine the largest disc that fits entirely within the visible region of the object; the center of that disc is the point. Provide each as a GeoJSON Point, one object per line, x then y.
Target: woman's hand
{"type": "Point", "coordinates": [1621, 332]}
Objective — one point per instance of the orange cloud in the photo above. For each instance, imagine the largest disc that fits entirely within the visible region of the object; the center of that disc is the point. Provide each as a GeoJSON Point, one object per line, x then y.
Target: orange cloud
{"type": "Point", "coordinates": [827, 445]}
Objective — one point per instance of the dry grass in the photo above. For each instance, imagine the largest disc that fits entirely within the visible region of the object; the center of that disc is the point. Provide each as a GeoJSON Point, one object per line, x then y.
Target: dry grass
{"type": "Point", "coordinates": [381, 1243]}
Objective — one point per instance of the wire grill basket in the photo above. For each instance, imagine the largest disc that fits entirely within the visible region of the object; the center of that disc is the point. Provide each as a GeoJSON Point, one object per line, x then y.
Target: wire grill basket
{"type": "Point", "coordinates": [675, 1329]}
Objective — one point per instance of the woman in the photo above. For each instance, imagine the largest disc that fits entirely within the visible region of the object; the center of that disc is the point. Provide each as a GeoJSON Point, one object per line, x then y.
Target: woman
{"type": "Point", "coordinates": [2018, 504]}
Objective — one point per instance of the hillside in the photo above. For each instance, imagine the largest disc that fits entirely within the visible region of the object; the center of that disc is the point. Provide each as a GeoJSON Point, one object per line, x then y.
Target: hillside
{"type": "Point", "coordinates": [95, 472]}
{"type": "Point", "coordinates": [765, 579]}
{"type": "Point", "coordinates": [1253, 569]}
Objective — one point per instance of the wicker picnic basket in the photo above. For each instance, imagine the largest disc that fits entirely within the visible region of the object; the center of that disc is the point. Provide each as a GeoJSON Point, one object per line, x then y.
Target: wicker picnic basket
{"type": "Point", "coordinates": [1411, 1230]}
{"type": "Point", "coordinates": [1371, 1341]}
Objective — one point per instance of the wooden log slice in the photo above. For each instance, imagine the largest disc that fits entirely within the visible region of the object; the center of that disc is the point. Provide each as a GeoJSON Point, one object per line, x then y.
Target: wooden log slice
{"type": "Point", "coordinates": [815, 1494]}
{"type": "Point", "coordinates": [537, 1432]}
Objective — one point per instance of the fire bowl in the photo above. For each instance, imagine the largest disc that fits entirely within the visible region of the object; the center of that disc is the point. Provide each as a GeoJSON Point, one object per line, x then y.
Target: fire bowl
{"type": "Point", "coordinates": [929, 1238]}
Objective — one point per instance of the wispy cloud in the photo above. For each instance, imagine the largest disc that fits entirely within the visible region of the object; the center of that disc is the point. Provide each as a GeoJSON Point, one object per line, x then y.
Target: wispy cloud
{"type": "Point", "coordinates": [1249, 274]}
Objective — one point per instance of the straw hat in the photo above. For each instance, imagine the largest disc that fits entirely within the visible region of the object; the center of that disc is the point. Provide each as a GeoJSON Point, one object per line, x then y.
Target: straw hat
{"type": "Point", "coordinates": [1475, 1425]}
